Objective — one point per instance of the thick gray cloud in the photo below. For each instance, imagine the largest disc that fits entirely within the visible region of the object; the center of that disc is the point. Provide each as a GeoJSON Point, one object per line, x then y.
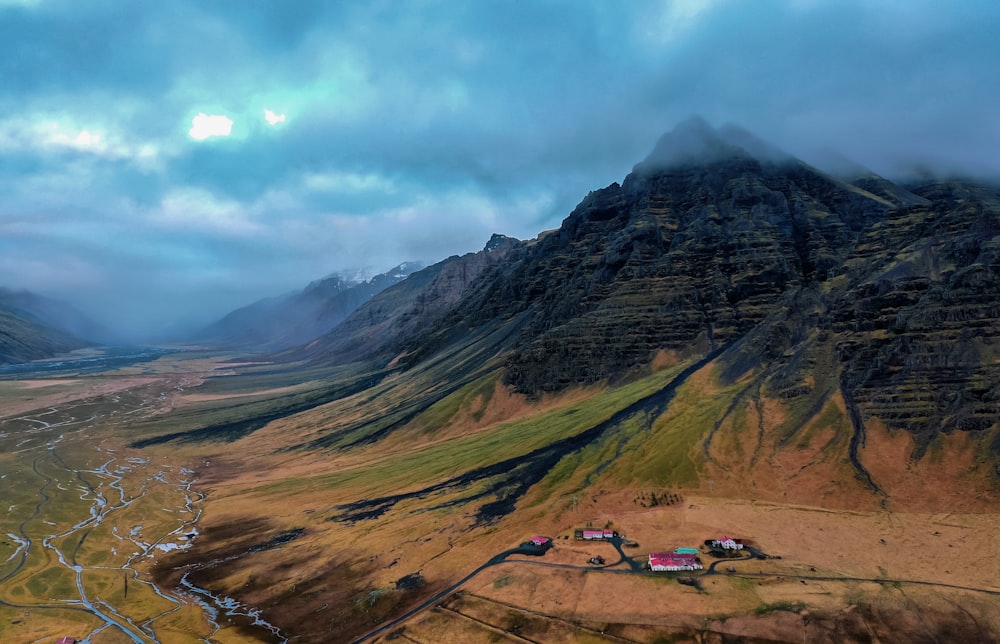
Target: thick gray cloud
{"type": "Point", "coordinates": [414, 130]}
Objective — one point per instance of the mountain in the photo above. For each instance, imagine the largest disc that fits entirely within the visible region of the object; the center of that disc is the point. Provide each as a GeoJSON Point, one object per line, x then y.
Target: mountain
{"type": "Point", "coordinates": [801, 289]}
{"type": "Point", "coordinates": [55, 313]}
{"type": "Point", "coordinates": [33, 327]}
{"type": "Point", "coordinates": [401, 314]}
{"type": "Point", "coordinates": [295, 318]}
{"type": "Point", "coordinates": [717, 241]}
{"type": "Point", "coordinates": [720, 246]}
{"type": "Point", "coordinates": [728, 339]}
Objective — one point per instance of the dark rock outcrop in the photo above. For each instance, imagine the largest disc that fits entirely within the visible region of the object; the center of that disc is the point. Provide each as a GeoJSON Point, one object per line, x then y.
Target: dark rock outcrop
{"type": "Point", "coordinates": [885, 293]}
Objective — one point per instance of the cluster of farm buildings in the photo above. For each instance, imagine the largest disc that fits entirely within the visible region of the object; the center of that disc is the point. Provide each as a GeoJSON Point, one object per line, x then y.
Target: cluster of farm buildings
{"type": "Point", "coordinates": [679, 559]}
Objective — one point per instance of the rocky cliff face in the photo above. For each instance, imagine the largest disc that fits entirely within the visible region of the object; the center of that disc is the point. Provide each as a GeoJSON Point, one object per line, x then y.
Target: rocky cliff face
{"type": "Point", "coordinates": [890, 292]}
{"type": "Point", "coordinates": [683, 258]}
{"type": "Point", "coordinates": [917, 337]}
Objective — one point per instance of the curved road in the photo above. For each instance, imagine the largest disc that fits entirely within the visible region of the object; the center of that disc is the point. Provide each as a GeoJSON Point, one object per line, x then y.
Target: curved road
{"type": "Point", "coordinates": [636, 568]}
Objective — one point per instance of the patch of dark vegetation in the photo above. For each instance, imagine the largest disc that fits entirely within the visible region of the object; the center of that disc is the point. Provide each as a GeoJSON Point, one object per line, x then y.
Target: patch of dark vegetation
{"type": "Point", "coordinates": [411, 583]}
{"type": "Point", "coordinates": [421, 405]}
{"type": "Point", "coordinates": [277, 540]}
{"type": "Point", "coordinates": [786, 606]}
{"type": "Point", "coordinates": [449, 371]}
{"type": "Point", "coordinates": [656, 499]}
{"type": "Point", "coordinates": [253, 416]}
{"type": "Point", "coordinates": [510, 479]}
{"type": "Point", "coordinates": [457, 502]}
{"type": "Point", "coordinates": [223, 543]}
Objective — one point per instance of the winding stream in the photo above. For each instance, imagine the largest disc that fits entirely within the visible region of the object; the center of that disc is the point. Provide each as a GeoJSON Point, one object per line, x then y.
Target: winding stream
{"type": "Point", "coordinates": [82, 526]}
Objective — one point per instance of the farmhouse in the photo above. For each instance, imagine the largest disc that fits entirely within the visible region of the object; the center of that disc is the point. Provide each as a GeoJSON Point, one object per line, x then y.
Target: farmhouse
{"type": "Point", "coordinates": [540, 541]}
{"type": "Point", "coordinates": [673, 561]}
{"type": "Point", "coordinates": [595, 534]}
{"type": "Point", "coordinates": [726, 543]}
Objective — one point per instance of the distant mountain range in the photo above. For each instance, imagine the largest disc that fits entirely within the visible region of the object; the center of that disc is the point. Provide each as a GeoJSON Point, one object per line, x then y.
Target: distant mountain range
{"type": "Point", "coordinates": [33, 327]}
{"type": "Point", "coordinates": [295, 318]}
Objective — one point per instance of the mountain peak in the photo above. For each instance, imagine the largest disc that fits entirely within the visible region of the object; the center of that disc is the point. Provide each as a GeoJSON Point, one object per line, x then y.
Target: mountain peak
{"type": "Point", "coordinates": [695, 142]}
{"type": "Point", "coordinates": [497, 240]}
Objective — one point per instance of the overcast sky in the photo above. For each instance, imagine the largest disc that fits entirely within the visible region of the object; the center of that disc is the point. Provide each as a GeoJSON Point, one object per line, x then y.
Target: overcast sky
{"type": "Point", "coordinates": [169, 160]}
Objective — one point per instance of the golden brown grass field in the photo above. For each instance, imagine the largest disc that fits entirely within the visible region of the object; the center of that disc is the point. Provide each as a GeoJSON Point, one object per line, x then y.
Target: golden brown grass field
{"type": "Point", "coordinates": [275, 534]}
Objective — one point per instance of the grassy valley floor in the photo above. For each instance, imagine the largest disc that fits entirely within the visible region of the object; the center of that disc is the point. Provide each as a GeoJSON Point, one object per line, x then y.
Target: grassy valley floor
{"type": "Point", "coordinates": [332, 543]}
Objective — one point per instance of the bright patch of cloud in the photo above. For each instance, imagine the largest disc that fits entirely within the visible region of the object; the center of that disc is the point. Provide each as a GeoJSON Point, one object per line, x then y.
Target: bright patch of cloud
{"type": "Point", "coordinates": [47, 133]}
{"type": "Point", "coordinates": [346, 182]}
{"type": "Point", "coordinates": [195, 209]}
{"type": "Point", "coordinates": [205, 126]}
{"type": "Point", "coordinates": [676, 18]}
{"type": "Point", "coordinates": [84, 141]}
{"type": "Point", "coordinates": [273, 118]}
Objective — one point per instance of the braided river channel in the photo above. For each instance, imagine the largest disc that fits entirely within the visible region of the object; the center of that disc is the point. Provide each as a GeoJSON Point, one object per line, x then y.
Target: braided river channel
{"type": "Point", "coordinates": [84, 519]}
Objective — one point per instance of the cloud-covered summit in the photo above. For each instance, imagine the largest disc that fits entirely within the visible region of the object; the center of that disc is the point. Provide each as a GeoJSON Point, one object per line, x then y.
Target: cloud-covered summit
{"type": "Point", "coordinates": [173, 159]}
{"type": "Point", "coordinates": [694, 141]}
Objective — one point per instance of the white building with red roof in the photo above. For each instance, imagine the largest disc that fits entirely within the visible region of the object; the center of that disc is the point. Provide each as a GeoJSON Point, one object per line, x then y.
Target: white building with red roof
{"type": "Point", "coordinates": [673, 562]}
{"type": "Point", "coordinates": [727, 543]}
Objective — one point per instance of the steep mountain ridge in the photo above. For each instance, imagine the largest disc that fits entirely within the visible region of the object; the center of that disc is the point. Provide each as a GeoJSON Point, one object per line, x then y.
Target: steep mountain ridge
{"type": "Point", "coordinates": [34, 327]}
{"type": "Point", "coordinates": [288, 320]}
{"type": "Point", "coordinates": [399, 316]}
{"type": "Point", "coordinates": [54, 313]}
{"type": "Point", "coordinates": [719, 240]}
{"type": "Point", "coordinates": [22, 339]}
{"type": "Point", "coordinates": [680, 260]}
